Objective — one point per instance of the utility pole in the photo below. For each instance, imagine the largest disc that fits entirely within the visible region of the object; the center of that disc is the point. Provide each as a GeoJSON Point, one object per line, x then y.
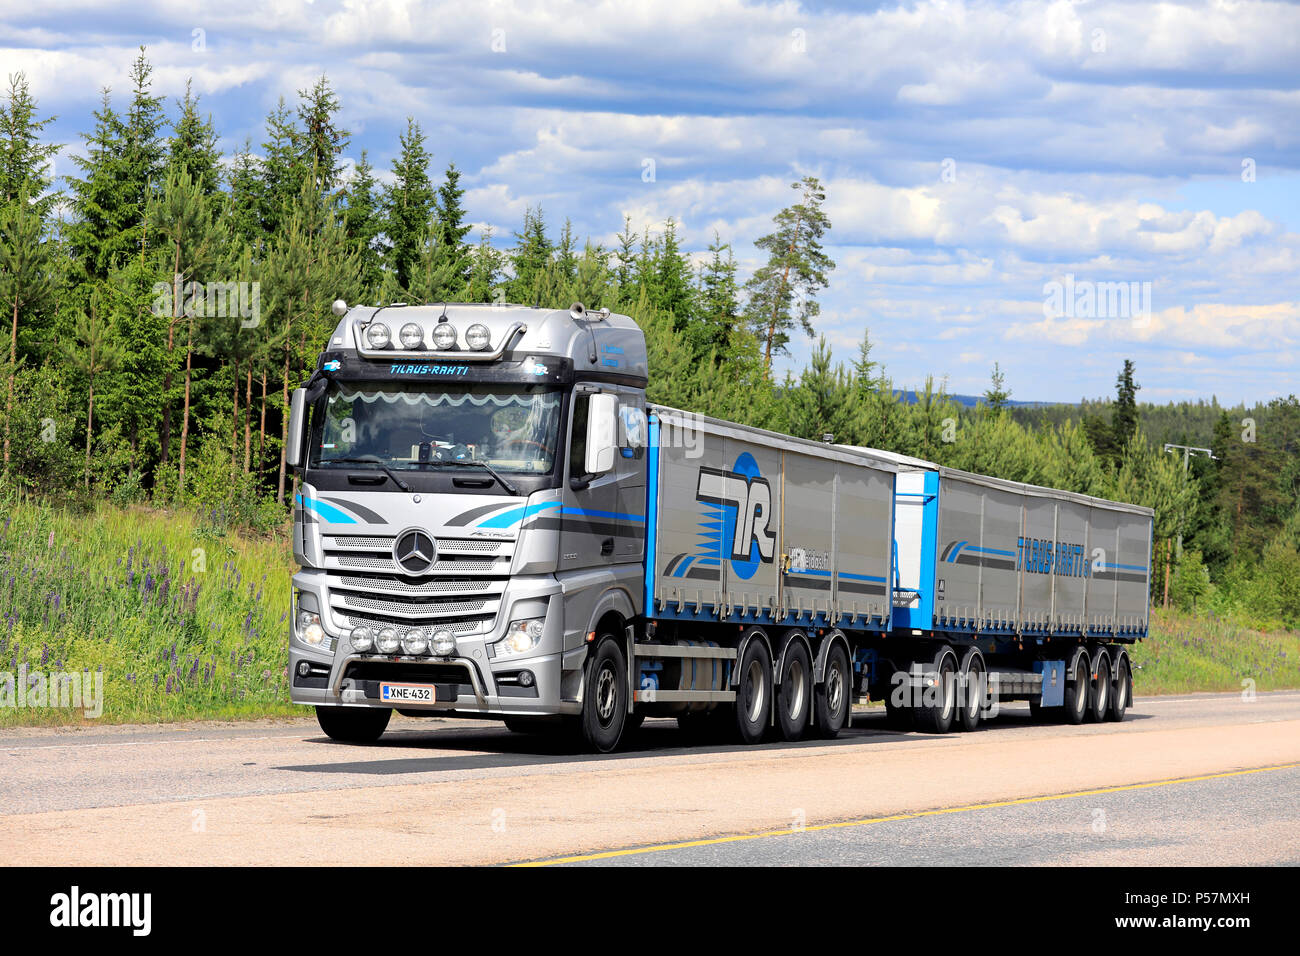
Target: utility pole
{"type": "Point", "coordinates": [1187, 451]}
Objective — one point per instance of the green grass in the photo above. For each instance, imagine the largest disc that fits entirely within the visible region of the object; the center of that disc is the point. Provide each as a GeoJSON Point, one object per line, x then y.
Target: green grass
{"type": "Point", "coordinates": [187, 623]}
{"type": "Point", "coordinates": [183, 621]}
{"type": "Point", "coordinates": [1190, 653]}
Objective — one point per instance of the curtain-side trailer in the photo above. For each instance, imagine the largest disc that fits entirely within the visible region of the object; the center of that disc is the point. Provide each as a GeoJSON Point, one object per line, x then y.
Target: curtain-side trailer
{"type": "Point", "coordinates": [491, 521]}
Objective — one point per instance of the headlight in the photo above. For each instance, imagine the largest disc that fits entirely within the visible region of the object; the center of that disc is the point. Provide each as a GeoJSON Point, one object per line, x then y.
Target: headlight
{"type": "Point", "coordinates": [386, 641]}
{"type": "Point", "coordinates": [444, 335]}
{"type": "Point", "coordinates": [444, 645]}
{"type": "Point", "coordinates": [477, 337]}
{"type": "Point", "coordinates": [411, 336]}
{"type": "Point", "coordinates": [522, 636]}
{"type": "Point", "coordinates": [415, 642]}
{"type": "Point", "coordinates": [361, 639]}
{"type": "Point", "coordinates": [378, 335]}
{"type": "Point", "coordinates": [309, 629]}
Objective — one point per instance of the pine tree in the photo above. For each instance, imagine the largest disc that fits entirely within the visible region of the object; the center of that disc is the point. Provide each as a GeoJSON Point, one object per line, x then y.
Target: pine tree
{"type": "Point", "coordinates": [24, 260]}
{"type": "Point", "coordinates": [181, 216]}
{"type": "Point", "coordinates": [530, 259]}
{"type": "Point", "coordinates": [92, 352]}
{"type": "Point", "coordinates": [408, 204]}
{"type": "Point", "coordinates": [781, 292]}
{"type": "Point", "coordinates": [24, 159]}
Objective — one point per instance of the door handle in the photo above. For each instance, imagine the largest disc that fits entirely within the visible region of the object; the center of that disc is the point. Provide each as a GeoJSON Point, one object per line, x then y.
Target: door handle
{"type": "Point", "coordinates": [607, 546]}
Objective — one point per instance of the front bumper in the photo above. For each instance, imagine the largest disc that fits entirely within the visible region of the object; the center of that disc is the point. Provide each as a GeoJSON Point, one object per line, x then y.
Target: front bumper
{"type": "Point", "coordinates": [475, 682]}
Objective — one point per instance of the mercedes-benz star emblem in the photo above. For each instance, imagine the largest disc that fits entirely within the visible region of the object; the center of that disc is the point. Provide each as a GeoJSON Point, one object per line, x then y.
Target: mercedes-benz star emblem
{"type": "Point", "coordinates": [415, 551]}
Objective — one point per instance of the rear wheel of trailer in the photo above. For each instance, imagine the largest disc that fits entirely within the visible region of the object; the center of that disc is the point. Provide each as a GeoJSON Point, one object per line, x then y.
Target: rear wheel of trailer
{"type": "Point", "coordinates": [353, 725]}
{"type": "Point", "coordinates": [753, 691]}
{"type": "Point", "coordinates": [1122, 692]}
{"type": "Point", "coordinates": [833, 697]}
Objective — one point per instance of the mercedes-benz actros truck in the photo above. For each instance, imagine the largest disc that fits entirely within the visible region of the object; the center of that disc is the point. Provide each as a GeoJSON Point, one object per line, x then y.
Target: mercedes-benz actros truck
{"type": "Point", "coordinates": [492, 521]}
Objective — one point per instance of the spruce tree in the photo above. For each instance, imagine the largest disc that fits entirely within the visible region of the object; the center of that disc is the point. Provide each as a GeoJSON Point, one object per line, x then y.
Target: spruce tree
{"type": "Point", "coordinates": [1124, 420]}
{"type": "Point", "coordinates": [24, 159]}
{"type": "Point", "coordinates": [24, 261]}
{"type": "Point", "coordinates": [718, 312]}
{"type": "Point", "coordinates": [193, 146]}
{"type": "Point", "coordinates": [362, 222]}
{"type": "Point", "coordinates": [452, 228]}
{"type": "Point", "coordinates": [408, 204]}
{"type": "Point", "coordinates": [322, 140]}
{"type": "Point", "coordinates": [997, 396]}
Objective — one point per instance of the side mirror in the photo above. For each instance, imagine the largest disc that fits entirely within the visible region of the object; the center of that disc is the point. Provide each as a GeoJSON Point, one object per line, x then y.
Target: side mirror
{"type": "Point", "coordinates": [602, 433]}
{"type": "Point", "coordinates": [297, 412]}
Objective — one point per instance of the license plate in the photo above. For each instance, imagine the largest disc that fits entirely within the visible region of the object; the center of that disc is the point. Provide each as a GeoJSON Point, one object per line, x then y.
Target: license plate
{"type": "Point", "coordinates": [407, 693]}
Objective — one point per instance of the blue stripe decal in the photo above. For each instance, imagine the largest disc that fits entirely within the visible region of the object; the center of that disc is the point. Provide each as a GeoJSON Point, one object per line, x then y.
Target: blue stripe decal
{"type": "Point", "coordinates": [681, 568]}
{"type": "Point", "coordinates": [328, 512]}
{"type": "Point", "coordinates": [1009, 554]}
{"type": "Point", "coordinates": [862, 577]}
{"type": "Point", "coordinates": [1125, 567]}
{"type": "Point", "coordinates": [952, 555]}
{"type": "Point", "coordinates": [514, 516]}
{"type": "Point", "coordinates": [817, 574]}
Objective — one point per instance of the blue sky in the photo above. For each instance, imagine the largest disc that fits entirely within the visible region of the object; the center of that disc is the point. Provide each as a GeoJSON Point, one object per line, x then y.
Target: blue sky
{"type": "Point", "coordinates": [973, 153]}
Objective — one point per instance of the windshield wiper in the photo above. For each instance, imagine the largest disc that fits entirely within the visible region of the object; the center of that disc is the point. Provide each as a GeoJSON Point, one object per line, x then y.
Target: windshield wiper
{"type": "Point", "coordinates": [486, 467]}
{"type": "Point", "coordinates": [371, 460]}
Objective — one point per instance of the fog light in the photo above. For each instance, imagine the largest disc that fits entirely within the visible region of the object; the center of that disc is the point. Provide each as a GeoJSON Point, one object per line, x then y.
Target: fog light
{"type": "Point", "coordinates": [444, 335]}
{"type": "Point", "coordinates": [303, 668]}
{"type": "Point", "coordinates": [415, 642]}
{"type": "Point", "coordinates": [377, 335]}
{"type": "Point", "coordinates": [386, 641]}
{"type": "Point", "coordinates": [477, 337]}
{"type": "Point", "coordinates": [526, 678]}
{"type": "Point", "coordinates": [411, 336]}
{"type": "Point", "coordinates": [444, 645]}
{"type": "Point", "coordinates": [361, 639]}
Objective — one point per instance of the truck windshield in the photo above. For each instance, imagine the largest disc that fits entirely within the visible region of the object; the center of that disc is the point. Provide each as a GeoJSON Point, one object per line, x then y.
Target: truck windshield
{"type": "Point", "coordinates": [512, 428]}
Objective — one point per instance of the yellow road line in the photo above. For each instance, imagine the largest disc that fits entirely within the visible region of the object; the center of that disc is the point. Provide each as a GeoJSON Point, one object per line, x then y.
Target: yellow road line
{"type": "Point", "coordinates": [898, 816]}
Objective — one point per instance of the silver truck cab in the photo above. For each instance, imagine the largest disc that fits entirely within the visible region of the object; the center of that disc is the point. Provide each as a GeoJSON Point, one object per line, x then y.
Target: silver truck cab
{"type": "Point", "coordinates": [470, 511]}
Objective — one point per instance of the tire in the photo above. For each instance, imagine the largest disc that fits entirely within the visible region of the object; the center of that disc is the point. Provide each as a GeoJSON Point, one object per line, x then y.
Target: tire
{"type": "Point", "coordinates": [972, 703]}
{"type": "Point", "coordinates": [753, 692]}
{"type": "Point", "coordinates": [794, 695]}
{"type": "Point", "coordinates": [353, 725]}
{"type": "Point", "coordinates": [1099, 700]}
{"type": "Point", "coordinates": [604, 697]}
{"type": "Point", "coordinates": [832, 700]}
{"type": "Point", "coordinates": [1122, 693]}
{"type": "Point", "coordinates": [938, 718]}
{"type": "Point", "coordinates": [1078, 691]}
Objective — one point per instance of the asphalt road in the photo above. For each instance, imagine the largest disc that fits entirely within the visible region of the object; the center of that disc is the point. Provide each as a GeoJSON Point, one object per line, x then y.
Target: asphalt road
{"type": "Point", "coordinates": [435, 791]}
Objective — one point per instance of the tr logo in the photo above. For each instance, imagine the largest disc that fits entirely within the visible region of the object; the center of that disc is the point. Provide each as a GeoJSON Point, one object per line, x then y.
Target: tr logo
{"type": "Point", "coordinates": [751, 496]}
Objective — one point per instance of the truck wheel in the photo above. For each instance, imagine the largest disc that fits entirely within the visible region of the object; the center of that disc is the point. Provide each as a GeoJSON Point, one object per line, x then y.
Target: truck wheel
{"type": "Point", "coordinates": [754, 692]}
{"type": "Point", "coordinates": [794, 697]}
{"type": "Point", "coordinates": [834, 697]}
{"type": "Point", "coordinates": [1078, 691]}
{"type": "Point", "coordinates": [1099, 705]}
{"type": "Point", "coordinates": [604, 697]}
{"type": "Point", "coordinates": [353, 725]}
{"type": "Point", "coordinates": [975, 690]}
{"type": "Point", "coordinates": [937, 717]}
{"type": "Point", "coordinates": [1122, 692]}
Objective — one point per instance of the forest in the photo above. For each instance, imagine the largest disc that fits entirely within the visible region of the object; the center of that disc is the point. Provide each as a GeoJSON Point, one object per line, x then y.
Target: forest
{"type": "Point", "coordinates": [164, 300]}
